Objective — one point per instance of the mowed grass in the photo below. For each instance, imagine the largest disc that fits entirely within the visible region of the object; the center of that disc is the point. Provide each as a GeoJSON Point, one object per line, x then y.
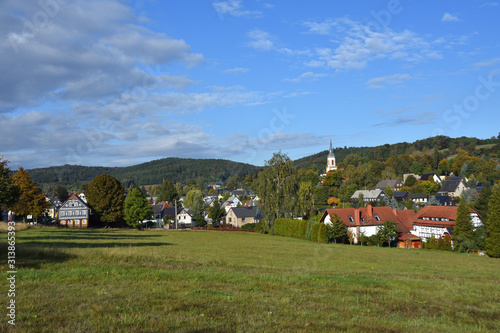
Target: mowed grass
{"type": "Point", "coordinates": [195, 281]}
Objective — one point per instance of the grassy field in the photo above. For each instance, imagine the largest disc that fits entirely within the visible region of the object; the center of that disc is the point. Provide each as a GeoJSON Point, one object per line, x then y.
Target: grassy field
{"type": "Point", "coordinates": [196, 281]}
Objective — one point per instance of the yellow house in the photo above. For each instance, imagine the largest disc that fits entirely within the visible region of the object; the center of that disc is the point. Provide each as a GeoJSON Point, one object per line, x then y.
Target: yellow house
{"type": "Point", "coordinates": [238, 216]}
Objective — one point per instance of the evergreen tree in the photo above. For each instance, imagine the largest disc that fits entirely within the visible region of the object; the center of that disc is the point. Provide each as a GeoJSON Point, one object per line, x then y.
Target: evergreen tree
{"type": "Point", "coordinates": [31, 200]}
{"type": "Point", "coordinates": [216, 212]}
{"type": "Point", "coordinates": [481, 204]}
{"type": "Point", "coordinates": [136, 208]}
{"type": "Point", "coordinates": [464, 230]}
{"type": "Point", "coordinates": [493, 226]}
{"type": "Point", "coordinates": [168, 192]}
{"type": "Point", "coordinates": [337, 231]}
{"type": "Point", "coordinates": [106, 195]}
{"type": "Point", "coordinates": [9, 192]}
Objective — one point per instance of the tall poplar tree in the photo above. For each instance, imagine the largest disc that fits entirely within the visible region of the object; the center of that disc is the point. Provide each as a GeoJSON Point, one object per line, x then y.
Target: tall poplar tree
{"type": "Point", "coordinates": [493, 226]}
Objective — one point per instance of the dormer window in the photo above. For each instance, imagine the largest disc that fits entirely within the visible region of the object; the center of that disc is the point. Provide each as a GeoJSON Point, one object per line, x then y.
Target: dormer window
{"type": "Point", "coordinates": [376, 217]}
{"type": "Point", "coordinates": [350, 219]}
{"type": "Point", "coordinates": [363, 220]}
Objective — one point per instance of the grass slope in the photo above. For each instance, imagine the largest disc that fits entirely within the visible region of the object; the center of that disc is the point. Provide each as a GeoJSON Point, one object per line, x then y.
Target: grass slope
{"type": "Point", "coordinates": [155, 281]}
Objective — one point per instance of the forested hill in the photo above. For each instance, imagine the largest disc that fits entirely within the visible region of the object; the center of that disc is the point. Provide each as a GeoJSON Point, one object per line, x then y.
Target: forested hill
{"type": "Point", "coordinates": [210, 170]}
{"type": "Point", "coordinates": [445, 144]}
{"type": "Point", "coordinates": [177, 169]}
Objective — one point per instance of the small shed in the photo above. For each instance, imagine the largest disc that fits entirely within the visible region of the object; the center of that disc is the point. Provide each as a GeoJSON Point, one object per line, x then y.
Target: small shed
{"type": "Point", "coordinates": [409, 241]}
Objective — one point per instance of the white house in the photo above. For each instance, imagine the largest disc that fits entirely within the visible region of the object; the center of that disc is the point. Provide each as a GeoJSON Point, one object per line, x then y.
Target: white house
{"type": "Point", "coordinates": [185, 218]}
{"type": "Point", "coordinates": [438, 221]}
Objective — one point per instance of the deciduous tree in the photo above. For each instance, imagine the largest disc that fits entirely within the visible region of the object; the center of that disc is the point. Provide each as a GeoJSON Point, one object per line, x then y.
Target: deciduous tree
{"type": "Point", "coordinates": [387, 232]}
{"type": "Point", "coordinates": [31, 199]}
{"type": "Point", "coordinates": [106, 195]}
{"type": "Point", "coordinates": [194, 201]}
{"type": "Point", "coordinates": [277, 187]}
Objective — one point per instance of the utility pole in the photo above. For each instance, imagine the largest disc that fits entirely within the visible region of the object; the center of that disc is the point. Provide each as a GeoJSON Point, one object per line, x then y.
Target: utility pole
{"type": "Point", "coordinates": [175, 213]}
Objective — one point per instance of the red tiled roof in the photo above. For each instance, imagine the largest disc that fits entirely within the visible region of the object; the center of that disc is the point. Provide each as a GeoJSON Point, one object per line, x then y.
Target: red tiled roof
{"type": "Point", "coordinates": [384, 214]}
{"type": "Point", "coordinates": [440, 212]}
{"type": "Point", "coordinates": [408, 236]}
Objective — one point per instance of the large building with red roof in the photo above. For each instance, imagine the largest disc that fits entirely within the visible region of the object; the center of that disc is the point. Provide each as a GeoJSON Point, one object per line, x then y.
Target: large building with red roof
{"type": "Point", "coordinates": [430, 221]}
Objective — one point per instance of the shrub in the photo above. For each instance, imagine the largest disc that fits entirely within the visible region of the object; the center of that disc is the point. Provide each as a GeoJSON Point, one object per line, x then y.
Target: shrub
{"type": "Point", "coordinates": [314, 232]}
{"type": "Point", "coordinates": [249, 226]}
{"type": "Point", "coordinates": [322, 234]}
{"type": "Point", "coordinates": [309, 226]}
{"type": "Point", "coordinates": [262, 227]}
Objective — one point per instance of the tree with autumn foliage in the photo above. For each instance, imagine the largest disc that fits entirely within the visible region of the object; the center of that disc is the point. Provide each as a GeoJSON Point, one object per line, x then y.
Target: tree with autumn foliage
{"type": "Point", "coordinates": [106, 196]}
{"type": "Point", "coordinates": [31, 199]}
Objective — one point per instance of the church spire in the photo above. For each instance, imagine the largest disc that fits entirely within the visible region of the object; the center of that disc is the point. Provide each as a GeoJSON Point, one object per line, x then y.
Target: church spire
{"type": "Point", "coordinates": [331, 149]}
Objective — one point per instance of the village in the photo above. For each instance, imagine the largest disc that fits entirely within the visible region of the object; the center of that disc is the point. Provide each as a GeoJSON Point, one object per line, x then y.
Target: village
{"type": "Point", "coordinates": [418, 217]}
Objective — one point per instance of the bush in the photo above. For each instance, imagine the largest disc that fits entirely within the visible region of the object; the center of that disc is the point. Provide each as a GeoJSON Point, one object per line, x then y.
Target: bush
{"type": "Point", "coordinates": [262, 227]}
{"type": "Point", "coordinates": [464, 244]}
{"type": "Point", "coordinates": [314, 232]}
{"type": "Point", "coordinates": [290, 228]}
{"type": "Point", "coordinates": [248, 226]}
{"type": "Point", "coordinates": [322, 234]}
{"type": "Point", "coordinates": [309, 226]}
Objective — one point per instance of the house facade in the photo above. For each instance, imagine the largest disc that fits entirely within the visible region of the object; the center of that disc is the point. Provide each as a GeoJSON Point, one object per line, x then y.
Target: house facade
{"type": "Point", "coordinates": [369, 196]}
{"type": "Point", "coordinates": [74, 213]}
{"type": "Point", "coordinates": [366, 220]}
{"type": "Point", "coordinates": [239, 216]}
{"type": "Point", "coordinates": [185, 218]}
{"type": "Point", "coordinates": [394, 184]}
{"type": "Point", "coordinates": [438, 221]}
{"type": "Point", "coordinates": [453, 187]}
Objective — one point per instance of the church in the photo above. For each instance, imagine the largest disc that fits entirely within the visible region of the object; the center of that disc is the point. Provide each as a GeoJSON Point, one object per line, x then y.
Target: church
{"type": "Point", "coordinates": [331, 165]}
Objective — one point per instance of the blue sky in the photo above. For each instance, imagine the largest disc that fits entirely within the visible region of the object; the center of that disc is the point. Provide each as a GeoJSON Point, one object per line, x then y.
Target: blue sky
{"type": "Point", "coordinates": [117, 83]}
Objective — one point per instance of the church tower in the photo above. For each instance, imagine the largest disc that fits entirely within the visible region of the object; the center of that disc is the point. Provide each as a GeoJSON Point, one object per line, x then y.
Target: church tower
{"type": "Point", "coordinates": [331, 164]}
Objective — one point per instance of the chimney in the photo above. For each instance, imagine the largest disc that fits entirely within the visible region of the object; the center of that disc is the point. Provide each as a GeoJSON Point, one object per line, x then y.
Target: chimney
{"type": "Point", "coordinates": [395, 211]}
{"type": "Point", "coordinates": [369, 210]}
{"type": "Point", "coordinates": [357, 214]}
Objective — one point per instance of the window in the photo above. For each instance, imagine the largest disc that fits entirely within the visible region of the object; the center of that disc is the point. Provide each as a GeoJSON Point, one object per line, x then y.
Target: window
{"type": "Point", "coordinates": [242, 219]}
{"type": "Point", "coordinates": [363, 220]}
{"type": "Point", "coordinates": [377, 217]}
{"type": "Point", "coordinates": [351, 219]}
{"type": "Point", "coordinates": [229, 219]}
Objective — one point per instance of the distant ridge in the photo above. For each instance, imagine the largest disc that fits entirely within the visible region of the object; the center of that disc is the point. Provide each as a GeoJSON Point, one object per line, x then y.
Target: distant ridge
{"type": "Point", "coordinates": [148, 173]}
{"type": "Point", "coordinates": [183, 169]}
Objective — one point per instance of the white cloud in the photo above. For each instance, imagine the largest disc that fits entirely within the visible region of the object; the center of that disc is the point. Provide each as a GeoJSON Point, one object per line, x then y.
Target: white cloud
{"type": "Point", "coordinates": [260, 40]}
{"type": "Point", "coordinates": [237, 70]}
{"type": "Point", "coordinates": [486, 63]}
{"type": "Point", "coordinates": [447, 17]}
{"type": "Point", "coordinates": [307, 75]}
{"type": "Point", "coordinates": [489, 4]}
{"type": "Point", "coordinates": [234, 8]}
{"type": "Point", "coordinates": [379, 82]}
{"type": "Point", "coordinates": [109, 58]}
{"type": "Point", "coordinates": [358, 45]}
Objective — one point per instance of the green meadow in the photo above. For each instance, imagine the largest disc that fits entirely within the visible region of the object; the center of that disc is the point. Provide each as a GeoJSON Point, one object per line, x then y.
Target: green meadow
{"type": "Point", "coordinates": [209, 281]}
